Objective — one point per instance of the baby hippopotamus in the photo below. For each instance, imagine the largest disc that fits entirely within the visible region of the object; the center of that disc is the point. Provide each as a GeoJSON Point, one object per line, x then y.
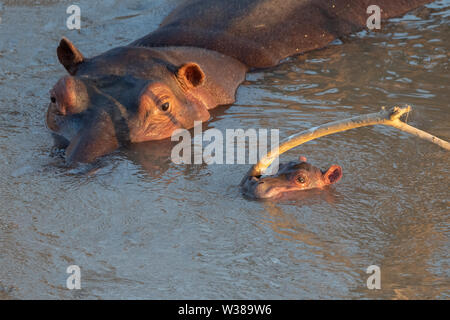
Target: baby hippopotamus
{"type": "Point", "coordinates": [291, 176]}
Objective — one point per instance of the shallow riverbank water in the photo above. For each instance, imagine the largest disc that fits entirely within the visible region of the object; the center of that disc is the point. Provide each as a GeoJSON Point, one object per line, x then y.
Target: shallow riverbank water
{"type": "Point", "coordinates": [143, 227]}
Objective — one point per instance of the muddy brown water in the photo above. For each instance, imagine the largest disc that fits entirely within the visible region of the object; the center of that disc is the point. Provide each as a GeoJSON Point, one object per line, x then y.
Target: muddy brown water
{"type": "Point", "coordinates": [144, 227]}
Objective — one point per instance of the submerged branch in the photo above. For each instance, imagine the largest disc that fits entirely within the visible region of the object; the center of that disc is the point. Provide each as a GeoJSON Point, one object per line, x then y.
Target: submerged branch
{"type": "Point", "coordinates": [384, 117]}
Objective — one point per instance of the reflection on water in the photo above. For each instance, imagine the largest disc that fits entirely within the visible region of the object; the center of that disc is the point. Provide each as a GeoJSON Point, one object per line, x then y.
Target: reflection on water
{"type": "Point", "coordinates": [140, 226]}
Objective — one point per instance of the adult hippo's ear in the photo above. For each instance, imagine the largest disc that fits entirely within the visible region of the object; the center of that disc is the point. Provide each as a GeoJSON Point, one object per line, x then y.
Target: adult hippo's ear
{"type": "Point", "coordinates": [333, 175]}
{"type": "Point", "coordinates": [69, 56]}
{"type": "Point", "coordinates": [209, 76]}
{"type": "Point", "coordinates": [190, 75]}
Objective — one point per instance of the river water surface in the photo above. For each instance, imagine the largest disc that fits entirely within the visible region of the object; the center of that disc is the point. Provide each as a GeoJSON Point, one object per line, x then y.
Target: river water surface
{"type": "Point", "coordinates": [144, 227]}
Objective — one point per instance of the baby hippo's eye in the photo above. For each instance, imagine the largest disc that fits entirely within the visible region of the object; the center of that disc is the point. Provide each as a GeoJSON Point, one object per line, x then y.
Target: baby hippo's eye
{"type": "Point", "coordinates": [53, 99]}
{"type": "Point", "coordinates": [165, 106]}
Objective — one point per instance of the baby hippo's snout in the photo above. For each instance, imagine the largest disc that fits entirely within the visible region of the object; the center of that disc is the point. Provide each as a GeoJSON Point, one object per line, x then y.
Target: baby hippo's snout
{"type": "Point", "coordinates": [292, 176]}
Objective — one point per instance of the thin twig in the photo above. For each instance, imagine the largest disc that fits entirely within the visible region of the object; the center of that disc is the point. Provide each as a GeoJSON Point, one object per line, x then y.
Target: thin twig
{"type": "Point", "coordinates": [384, 117]}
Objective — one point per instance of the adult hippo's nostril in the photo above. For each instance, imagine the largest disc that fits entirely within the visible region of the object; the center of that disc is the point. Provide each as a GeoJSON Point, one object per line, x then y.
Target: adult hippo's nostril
{"type": "Point", "coordinates": [70, 96]}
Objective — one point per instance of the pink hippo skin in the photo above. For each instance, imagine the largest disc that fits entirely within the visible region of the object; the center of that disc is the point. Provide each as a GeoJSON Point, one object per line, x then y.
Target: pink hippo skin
{"type": "Point", "coordinates": [292, 176]}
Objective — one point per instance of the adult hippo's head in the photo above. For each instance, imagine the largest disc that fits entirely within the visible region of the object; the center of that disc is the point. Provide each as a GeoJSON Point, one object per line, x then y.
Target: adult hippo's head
{"type": "Point", "coordinates": [135, 94]}
{"type": "Point", "coordinates": [292, 176]}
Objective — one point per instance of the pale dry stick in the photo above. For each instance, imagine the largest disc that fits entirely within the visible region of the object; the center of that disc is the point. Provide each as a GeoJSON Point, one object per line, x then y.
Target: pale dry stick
{"type": "Point", "coordinates": [384, 117]}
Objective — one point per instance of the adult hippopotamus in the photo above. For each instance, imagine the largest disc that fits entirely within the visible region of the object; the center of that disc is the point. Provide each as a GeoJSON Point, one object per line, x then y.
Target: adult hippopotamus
{"type": "Point", "coordinates": [292, 176]}
{"type": "Point", "coordinates": [192, 63]}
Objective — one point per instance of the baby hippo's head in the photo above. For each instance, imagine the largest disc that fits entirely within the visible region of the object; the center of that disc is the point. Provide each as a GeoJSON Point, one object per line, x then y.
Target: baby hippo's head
{"type": "Point", "coordinates": [291, 176]}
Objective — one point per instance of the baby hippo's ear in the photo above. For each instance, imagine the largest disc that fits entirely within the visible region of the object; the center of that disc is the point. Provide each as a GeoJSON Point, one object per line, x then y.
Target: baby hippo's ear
{"type": "Point", "coordinates": [190, 75]}
{"type": "Point", "coordinates": [333, 175]}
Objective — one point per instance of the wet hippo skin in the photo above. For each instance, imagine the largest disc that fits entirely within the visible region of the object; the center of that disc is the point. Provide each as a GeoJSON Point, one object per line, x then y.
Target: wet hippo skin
{"type": "Point", "coordinates": [291, 177]}
{"type": "Point", "coordinates": [192, 63]}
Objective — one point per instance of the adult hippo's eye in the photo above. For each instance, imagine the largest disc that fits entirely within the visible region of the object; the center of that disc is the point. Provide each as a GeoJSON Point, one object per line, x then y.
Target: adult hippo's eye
{"type": "Point", "coordinates": [301, 179]}
{"type": "Point", "coordinates": [165, 106]}
{"type": "Point", "coordinates": [53, 99]}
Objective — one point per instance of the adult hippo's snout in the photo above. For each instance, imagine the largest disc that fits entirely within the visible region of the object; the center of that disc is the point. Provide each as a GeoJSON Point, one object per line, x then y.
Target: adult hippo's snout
{"type": "Point", "coordinates": [84, 139]}
{"type": "Point", "coordinates": [291, 176]}
{"type": "Point", "coordinates": [86, 129]}
{"type": "Point", "coordinates": [69, 96]}
{"type": "Point", "coordinates": [68, 99]}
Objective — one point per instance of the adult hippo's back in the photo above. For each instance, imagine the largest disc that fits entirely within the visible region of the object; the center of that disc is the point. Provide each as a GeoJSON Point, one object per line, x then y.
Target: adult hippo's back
{"type": "Point", "coordinates": [261, 33]}
{"type": "Point", "coordinates": [192, 63]}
